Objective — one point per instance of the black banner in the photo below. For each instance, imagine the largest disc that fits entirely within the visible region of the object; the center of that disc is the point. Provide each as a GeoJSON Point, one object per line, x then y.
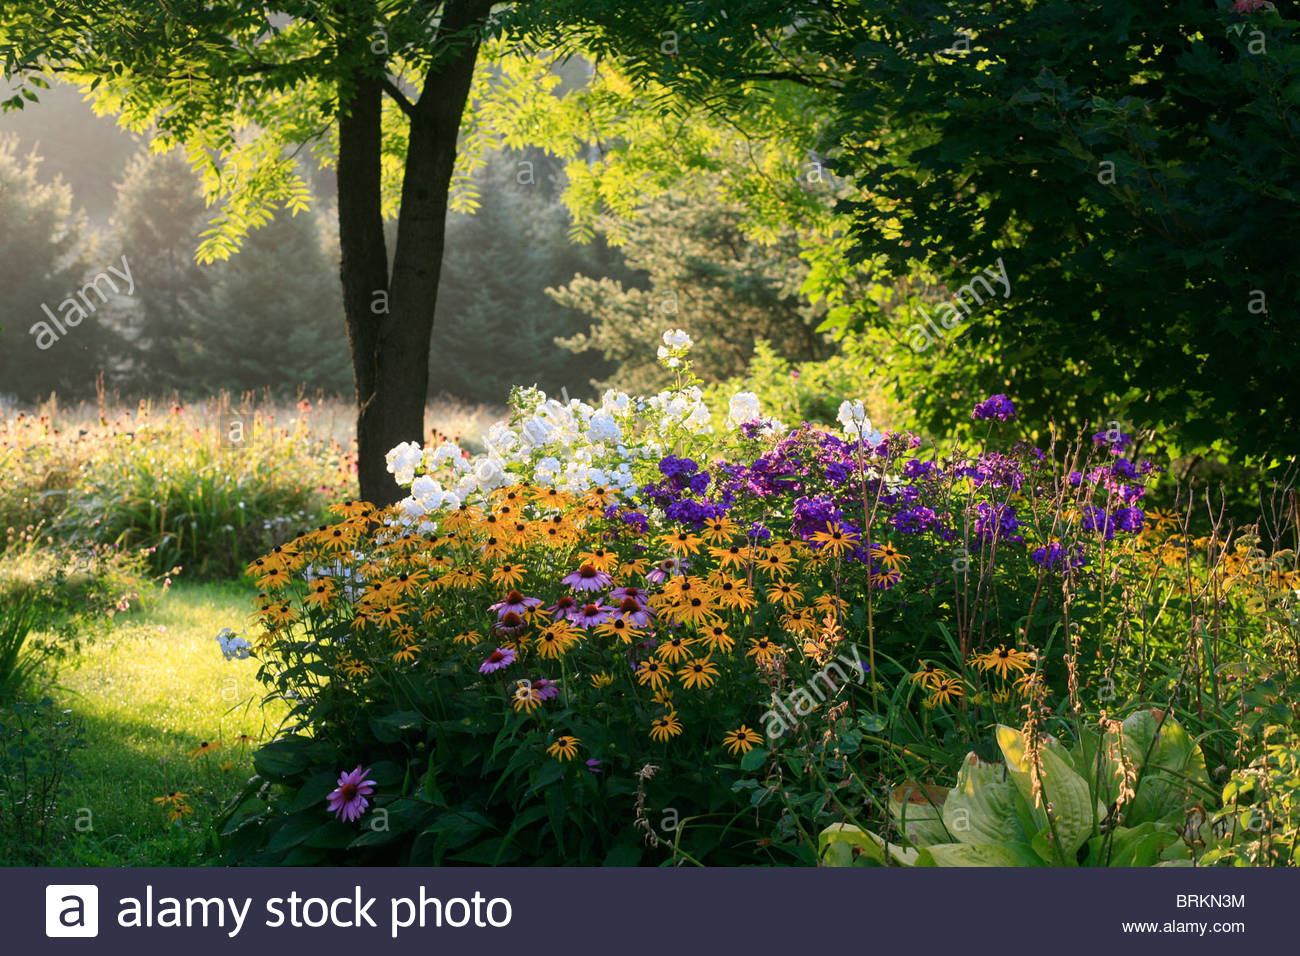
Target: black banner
{"type": "Point", "coordinates": [633, 911]}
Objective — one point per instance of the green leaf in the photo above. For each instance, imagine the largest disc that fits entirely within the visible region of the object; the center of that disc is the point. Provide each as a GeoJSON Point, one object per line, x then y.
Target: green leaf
{"type": "Point", "coordinates": [754, 759]}
{"type": "Point", "coordinates": [984, 854]}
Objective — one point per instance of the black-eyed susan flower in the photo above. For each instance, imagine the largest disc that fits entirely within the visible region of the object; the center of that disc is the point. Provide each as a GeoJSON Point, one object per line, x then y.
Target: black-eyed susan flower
{"type": "Point", "coordinates": [1002, 661]}
{"type": "Point", "coordinates": [600, 680]}
{"type": "Point", "coordinates": [406, 654]}
{"type": "Point", "coordinates": [666, 727]}
{"type": "Point", "coordinates": [775, 563]}
{"type": "Point", "coordinates": [601, 559]}
{"type": "Point", "coordinates": [716, 638]}
{"type": "Point", "coordinates": [652, 672]}
{"type": "Point", "coordinates": [719, 530]}
{"type": "Point", "coordinates": [467, 637]}
{"type": "Point", "coordinates": [554, 641]}
{"type": "Point", "coordinates": [320, 592]}
{"type": "Point", "coordinates": [836, 540]}
{"type": "Point", "coordinates": [354, 668]}
{"type": "Point", "coordinates": [620, 628]}
{"type": "Point", "coordinates": [927, 674]}
{"type": "Point", "coordinates": [732, 556]}
{"type": "Point", "coordinates": [741, 740]}
{"type": "Point", "coordinates": [675, 649]}
{"type": "Point", "coordinates": [564, 748]}
{"type": "Point", "coordinates": [889, 556]}
{"type": "Point", "coordinates": [207, 747]}
{"type": "Point", "coordinates": [525, 697]}
{"type": "Point", "coordinates": [681, 542]}
{"type": "Point", "coordinates": [508, 575]}
{"type": "Point", "coordinates": [762, 649]}
{"type": "Point", "coordinates": [945, 690]}
{"type": "Point", "coordinates": [782, 592]}
{"type": "Point", "coordinates": [699, 673]}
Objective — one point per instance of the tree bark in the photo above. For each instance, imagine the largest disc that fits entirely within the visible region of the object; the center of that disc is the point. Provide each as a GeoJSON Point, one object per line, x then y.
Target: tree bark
{"type": "Point", "coordinates": [390, 319]}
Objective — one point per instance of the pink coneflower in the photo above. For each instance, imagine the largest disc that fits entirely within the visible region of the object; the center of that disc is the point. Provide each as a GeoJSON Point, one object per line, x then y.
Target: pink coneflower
{"type": "Point", "coordinates": [515, 601]}
{"type": "Point", "coordinates": [590, 615]}
{"type": "Point", "coordinates": [349, 800]}
{"type": "Point", "coordinates": [566, 607]}
{"type": "Point", "coordinates": [500, 658]}
{"type": "Point", "coordinates": [668, 567]}
{"type": "Point", "coordinates": [587, 578]}
{"type": "Point", "coordinates": [633, 612]}
{"type": "Point", "coordinates": [640, 595]}
{"type": "Point", "coordinates": [511, 623]}
{"type": "Point", "coordinates": [546, 689]}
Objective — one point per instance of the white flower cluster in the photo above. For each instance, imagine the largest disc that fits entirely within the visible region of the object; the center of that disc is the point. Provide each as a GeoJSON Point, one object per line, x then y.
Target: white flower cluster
{"type": "Point", "coordinates": [853, 416]}
{"type": "Point", "coordinates": [233, 647]}
{"type": "Point", "coordinates": [571, 445]}
{"type": "Point", "coordinates": [676, 344]}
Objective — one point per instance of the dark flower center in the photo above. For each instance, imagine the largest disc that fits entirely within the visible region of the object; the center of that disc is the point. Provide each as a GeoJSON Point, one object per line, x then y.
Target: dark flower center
{"type": "Point", "coordinates": [512, 619]}
{"type": "Point", "coordinates": [348, 791]}
{"type": "Point", "coordinates": [629, 605]}
{"type": "Point", "coordinates": [587, 571]}
{"type": "Point", "coordinates": [514, 597]}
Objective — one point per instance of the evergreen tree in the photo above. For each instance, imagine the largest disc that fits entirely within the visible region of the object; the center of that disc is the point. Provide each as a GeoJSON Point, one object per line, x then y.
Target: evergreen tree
{"type": "Point", "coordinates": [271, 317]}
{"type": "Point", "coordinates": [159, 215]}
{"type": "Point", "coordinates": [701, 273]}
{"type": "Point", "coordinates": [44, 262]}
{"type": "Point", "coordinates": [495, 325]}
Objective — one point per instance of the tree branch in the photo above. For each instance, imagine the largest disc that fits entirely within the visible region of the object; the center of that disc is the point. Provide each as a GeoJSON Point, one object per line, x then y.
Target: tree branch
{"type": "Point", "coordinates": [398, 97]}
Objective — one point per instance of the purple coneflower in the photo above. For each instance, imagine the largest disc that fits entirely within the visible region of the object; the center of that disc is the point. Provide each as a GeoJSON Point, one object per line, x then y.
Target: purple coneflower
{"type": "Point", "coordinates": [590, 615]}
{"type": "Point", "coordinates": [637, 594]}
{"type": "Point", "coordinates": [349, 800]}
{"type": "Point", "coordinates": [630, 610]}
{"type": "Point", "coordinates": [593, 765]}
{"type": "Point", "coordinates": [668, 567]}
{"type": "Point", "coordinates": [566, 607]}
{"type": "Point", "coordinates": [515, 601]}
{"type": "Point", "coordinates": [498, 659]}
{"type": "Point", "coordinates": [587, 578]}
{"type": "Point", "coordinates": [545, 689]}
{"type": "Point", "coordinates": [511, 623]}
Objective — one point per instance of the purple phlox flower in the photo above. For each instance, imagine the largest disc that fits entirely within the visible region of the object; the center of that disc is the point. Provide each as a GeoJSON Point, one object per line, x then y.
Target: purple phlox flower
{"type": "Point", "coordinates": [998, 470]}
{"type": "Point", "coordinates": [1129, 519]}
{"type": "Point", "coordinates": [515, 601]}
{"type": "Point", "coordinates": [1096, 519]}
{"type": "Point", "coordinates": [1054, 556]}
{"type": "Point", "coordinates": [671, 467]}
{"type": "Point", "coordinates": [997, 521]}
{"type": "Point", "coordinates": [813, 514]}
{"type": "Point", "coordinates": [590, 615]}
{"type": "Point", "coordinates": [633, 519]}
{"type": "Point", "coordinates": [917, 468]}
{"type": "Point", "coordinates": [1114, 441]}
{"type": "Point", "coordinates": [350, 799]}
{"type": "Point", "coordinates": [501, 658]}
{"type": "Point", "coordinates": [759, 532]}
{"type": "Point", "coordinates": [693, 513]}
{"type": "Point", "coordinates": [916, 519]}
{"type": "Point", "coordinates": [587, 578]}
{"type": "Point", "coordinates": [994, 407]}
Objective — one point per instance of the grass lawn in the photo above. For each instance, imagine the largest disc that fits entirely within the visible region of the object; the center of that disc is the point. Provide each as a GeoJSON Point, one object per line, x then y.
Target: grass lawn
{"type": "Point", "coordinates": [151, 692]}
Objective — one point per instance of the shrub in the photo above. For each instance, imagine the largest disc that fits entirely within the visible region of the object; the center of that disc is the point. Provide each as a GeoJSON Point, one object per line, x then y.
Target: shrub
{"type": "Point", "coordinates": [36, 744]}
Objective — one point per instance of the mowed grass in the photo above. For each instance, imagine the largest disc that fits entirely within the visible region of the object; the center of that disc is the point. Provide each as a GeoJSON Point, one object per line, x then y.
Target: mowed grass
{"type": "Point", "coordinates": [151, 692]}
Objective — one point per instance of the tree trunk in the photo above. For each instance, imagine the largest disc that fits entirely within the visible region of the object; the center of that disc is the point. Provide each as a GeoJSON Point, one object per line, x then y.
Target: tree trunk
{"type": "Point", "coordinates": [390, 321]}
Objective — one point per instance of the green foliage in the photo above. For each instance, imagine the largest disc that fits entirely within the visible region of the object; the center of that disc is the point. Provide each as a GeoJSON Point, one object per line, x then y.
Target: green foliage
{"type": "Point", "coordinates": [812, 391]}
{"type": "Point", "coordinates": [1116, 798]}
{"type": "Point", "coordinates": [18, 659]}
{"type": "Point", "coordinates": [37, 741]}
{"type": "Point", "coordinates": [1259, 824]}
{"type": "Point", "coordinates": [705, 276]}
{"type": "Point", "coordinates": [495, 326]}
{"type": "Point", "coordinates": [1133, 165]}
